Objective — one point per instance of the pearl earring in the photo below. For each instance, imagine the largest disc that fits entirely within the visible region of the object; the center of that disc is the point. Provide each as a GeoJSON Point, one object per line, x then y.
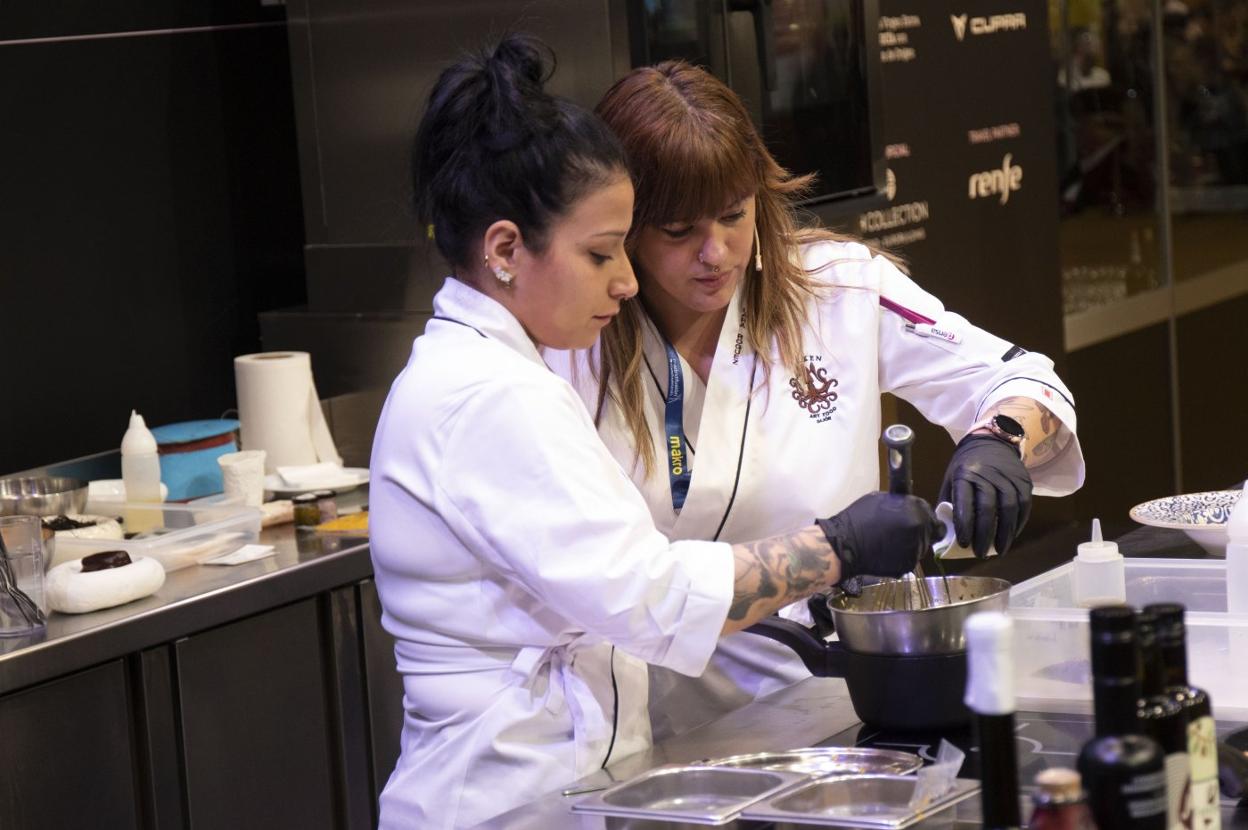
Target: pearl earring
{"type": "Point", "coordinates": [501, 274]}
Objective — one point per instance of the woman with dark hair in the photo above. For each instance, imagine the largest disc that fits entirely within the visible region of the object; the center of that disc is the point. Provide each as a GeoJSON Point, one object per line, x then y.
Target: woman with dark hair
{"type": "Point", "coordinates": [761, 349]}
{"type": "Point", "coordinates": [518, 568]}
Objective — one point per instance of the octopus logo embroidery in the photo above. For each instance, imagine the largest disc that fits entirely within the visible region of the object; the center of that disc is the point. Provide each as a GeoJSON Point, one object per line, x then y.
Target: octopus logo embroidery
{"type": "Point", "coordinates": [814, 392]}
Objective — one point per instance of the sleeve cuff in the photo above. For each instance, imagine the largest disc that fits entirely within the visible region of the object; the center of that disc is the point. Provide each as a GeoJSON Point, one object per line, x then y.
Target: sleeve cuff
{"type": "Point", "coordinates": [1063, 474]}
{"type": "Point", "coordinates": [712, 571]}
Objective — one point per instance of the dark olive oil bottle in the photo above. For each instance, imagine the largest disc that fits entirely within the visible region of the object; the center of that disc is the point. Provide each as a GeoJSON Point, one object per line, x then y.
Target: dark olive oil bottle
{"type": "Point", "coordinates": [1123, 770]}
{"type": "Point", "coordinates": [1163, 718]}
{"type": "Point", "coordinates": [1201, 808]}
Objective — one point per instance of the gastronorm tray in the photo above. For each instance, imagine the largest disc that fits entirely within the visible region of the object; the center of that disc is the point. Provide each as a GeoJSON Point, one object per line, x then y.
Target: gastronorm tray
{"type": "Point", "coordinates": [875, 801]}
{"type": "Point", "coordinates": [828, 760]}
{"type": "Point", "coordinates": [695, 794]}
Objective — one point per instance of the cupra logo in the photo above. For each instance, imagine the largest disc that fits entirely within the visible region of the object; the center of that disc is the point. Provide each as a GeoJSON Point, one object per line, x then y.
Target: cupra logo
{"type": "Point", "coordinates": [987, 25]}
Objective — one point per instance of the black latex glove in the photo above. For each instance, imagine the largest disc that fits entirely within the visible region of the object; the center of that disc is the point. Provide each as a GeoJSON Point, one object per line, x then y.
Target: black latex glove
{"type": "Point", "coordinates": [882, 534]}
{"type": "Point", "coordinates": [990, 490]}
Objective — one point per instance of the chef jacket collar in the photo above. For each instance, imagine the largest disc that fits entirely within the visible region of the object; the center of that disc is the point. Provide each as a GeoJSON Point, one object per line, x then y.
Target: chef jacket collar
{"type": "Point", "coordinates": [464, 304]}
{"type": "Point", "coordinates": [652, 340]}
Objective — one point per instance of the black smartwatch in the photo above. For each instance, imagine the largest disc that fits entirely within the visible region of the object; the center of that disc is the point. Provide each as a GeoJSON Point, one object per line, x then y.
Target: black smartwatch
{"type": "Point", "coordinates": [1005, 428]}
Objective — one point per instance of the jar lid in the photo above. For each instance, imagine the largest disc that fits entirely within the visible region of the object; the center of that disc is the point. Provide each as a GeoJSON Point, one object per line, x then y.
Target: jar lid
{"type": "Point", "coordinates": [1059, 784]}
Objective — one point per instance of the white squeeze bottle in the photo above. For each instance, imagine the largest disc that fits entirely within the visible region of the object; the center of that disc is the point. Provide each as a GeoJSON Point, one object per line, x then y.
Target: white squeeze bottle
{"type": "Point", "coordinates": [1237, 556]}
{"type": "Point", "coordinates": [140, 470]}
{"type": "Point", "coordinates": [1100, 575]}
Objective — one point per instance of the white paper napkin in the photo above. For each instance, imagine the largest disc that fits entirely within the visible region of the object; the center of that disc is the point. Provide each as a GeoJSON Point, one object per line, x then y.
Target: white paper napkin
{"type": "Point", "coordinates": [311, 476]}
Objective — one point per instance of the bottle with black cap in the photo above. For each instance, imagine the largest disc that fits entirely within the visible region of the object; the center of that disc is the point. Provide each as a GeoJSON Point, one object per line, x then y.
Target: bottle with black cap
{"type": "Point", "coordinates": [1162, 718]}
{"type": "Point", "coordinates": [990, 697]}
{"type": "Point", "coordinates": [1201, 804]}
{"type": "Point", "coordinates": [1123, 771]}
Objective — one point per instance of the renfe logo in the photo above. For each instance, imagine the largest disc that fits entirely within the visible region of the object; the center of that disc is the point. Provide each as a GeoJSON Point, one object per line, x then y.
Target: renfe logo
{"type": "Point", "coordinates": [987, 25]}
{"type": "Point", "coordinates": [1004, 181]}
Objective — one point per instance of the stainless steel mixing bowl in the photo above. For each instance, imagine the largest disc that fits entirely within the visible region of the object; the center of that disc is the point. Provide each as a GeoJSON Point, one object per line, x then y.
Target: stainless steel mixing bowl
{"type": "Point", "coordinates": [867, 625]}
{"type": "Point", "coordinates": [42, 496]}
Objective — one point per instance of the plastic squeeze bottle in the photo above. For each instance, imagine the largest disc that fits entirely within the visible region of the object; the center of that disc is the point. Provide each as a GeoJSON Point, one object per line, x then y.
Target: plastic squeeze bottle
{"type": "Point", "coordinates": [1237, 556]}
{"type": "Point", "coordinates": [1100, 576]}
{"type": "Point", "coordinates": [140, 470]}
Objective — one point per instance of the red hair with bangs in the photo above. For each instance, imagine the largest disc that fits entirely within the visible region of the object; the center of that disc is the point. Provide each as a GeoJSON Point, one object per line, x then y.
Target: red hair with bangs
{"type": "Point", "coordinates": [692, 149]}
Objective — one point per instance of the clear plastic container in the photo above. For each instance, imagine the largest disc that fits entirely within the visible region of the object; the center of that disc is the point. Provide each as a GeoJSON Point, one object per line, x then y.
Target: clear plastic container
{"type": "Point", "coordinates": [181, 535]}
{"type": "Point", "coordinates": [1052, 670]}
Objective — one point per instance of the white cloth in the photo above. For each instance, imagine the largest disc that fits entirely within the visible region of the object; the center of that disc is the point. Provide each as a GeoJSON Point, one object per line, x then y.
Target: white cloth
{"type": "Point", "coordinates": [516, 564]}
{"type": "Point", "coordinates": [70, 590]}
{"type": "Point", "coordinates": [800, 462]}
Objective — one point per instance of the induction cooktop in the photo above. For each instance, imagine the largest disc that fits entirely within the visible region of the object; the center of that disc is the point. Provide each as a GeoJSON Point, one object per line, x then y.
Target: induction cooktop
{"type": "Point", "coordinates": [1044, 740]}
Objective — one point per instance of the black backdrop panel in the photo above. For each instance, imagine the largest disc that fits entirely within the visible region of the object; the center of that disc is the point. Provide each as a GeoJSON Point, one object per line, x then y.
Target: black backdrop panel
{"type": "Point", "coordinates": [972, 207]}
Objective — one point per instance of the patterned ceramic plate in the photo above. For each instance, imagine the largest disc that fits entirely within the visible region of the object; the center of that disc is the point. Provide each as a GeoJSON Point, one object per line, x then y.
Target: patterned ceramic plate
{"type": "Point", "coordinates": [1202, 516]}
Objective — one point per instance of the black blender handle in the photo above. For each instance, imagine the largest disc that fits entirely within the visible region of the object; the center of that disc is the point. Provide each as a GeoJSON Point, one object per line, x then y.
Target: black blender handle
{"type": "Point", "coordinates": [899, 438]}
{"type": "Point", "coordinates": [822, 658]}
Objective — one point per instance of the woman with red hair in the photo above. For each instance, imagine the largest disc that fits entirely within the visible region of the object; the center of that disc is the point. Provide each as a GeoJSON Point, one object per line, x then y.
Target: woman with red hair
{"type": "Point", "coordinates": [757, 354]}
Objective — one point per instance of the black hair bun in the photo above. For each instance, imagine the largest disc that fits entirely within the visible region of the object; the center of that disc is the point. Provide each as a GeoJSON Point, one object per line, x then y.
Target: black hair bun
{"type": "Point", "coordinates": [517, 108]}
{"type": "Point", "coordinates": [494, 144]}
{"type": "Point", "coordinates": [524, 61]}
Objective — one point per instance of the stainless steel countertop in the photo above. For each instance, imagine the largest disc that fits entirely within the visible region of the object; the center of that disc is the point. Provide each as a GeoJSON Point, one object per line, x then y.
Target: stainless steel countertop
{"type": "Point", "coordinates": [192, 599]}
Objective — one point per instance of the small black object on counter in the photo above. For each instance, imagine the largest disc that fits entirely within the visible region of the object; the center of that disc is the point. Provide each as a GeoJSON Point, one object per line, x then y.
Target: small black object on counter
{"type": "Point", "coordinates": [105, 560]}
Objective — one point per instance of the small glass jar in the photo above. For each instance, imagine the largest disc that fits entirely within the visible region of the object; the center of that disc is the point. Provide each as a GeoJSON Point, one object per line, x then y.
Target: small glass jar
{"type": "Point", "coordinates": [1059, 802]}
{"type": "Point", "coordinates": [307, 511]}
{"type": "Point", "coordinates": [327, 505]}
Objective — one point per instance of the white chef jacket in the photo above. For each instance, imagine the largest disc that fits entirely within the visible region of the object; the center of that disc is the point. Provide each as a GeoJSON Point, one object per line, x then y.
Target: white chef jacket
{"type": "Point", "coordinates": [519, 570]}
{"type": "Point", "coordinates": [775, 461]}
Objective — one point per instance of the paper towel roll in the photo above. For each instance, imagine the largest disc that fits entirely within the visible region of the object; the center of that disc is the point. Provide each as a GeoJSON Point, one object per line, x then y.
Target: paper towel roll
{"type": "Point", "coordinates": [278, 410]}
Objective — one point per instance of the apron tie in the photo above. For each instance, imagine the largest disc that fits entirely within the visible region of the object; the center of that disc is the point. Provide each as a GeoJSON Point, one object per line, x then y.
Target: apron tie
{"type": "Point", "coordinates": [591, 723]}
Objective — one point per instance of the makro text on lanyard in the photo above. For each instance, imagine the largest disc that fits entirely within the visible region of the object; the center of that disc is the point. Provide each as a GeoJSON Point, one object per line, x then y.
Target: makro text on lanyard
{"type": "Point", "coordinates": [678, 467]}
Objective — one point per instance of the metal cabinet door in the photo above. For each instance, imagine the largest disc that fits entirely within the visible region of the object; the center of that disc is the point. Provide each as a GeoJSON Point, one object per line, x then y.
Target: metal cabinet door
{"type": "Point", "coordinates": [66, 754]}
{"type": "Point", "coordinates": [256, 724]}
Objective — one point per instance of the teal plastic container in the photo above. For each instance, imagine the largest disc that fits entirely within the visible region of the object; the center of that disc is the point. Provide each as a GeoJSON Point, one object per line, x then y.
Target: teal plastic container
{"type": "Point", "coordinates": [189, 453]}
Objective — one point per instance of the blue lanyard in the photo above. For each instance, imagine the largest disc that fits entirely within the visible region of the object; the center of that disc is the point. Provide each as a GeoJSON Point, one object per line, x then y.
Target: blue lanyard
{"type": "Point", "coordinates": [677, 450]}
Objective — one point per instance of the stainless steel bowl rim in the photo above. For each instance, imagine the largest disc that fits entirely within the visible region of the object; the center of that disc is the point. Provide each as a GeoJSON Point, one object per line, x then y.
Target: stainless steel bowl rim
{"type": "Point", "coordinates": [1002, 585]}
{"type": "Point", "coordinates": [42, 495]}
{"type": "Point", "coordinates": [933, 631]}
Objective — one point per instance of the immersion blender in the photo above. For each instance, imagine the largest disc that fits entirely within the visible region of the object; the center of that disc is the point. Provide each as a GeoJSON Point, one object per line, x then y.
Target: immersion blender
{"type": "Point", "coordinates": [899, 438]}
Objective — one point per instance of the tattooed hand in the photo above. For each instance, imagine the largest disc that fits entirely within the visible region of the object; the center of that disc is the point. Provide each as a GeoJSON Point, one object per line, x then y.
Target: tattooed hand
{"type": "Point", "coordinates": [990, 486]}
{"type": "Point", "coordinates": [775, 572]}
{"type": "Point", "coordinates": [1046, 438]}
{"type": "Point", "coordinates": [882, 534]}
{"type": "Point", "coordinates": [879, 534]}
{"type": "Point", "coordinates": [990, 490]}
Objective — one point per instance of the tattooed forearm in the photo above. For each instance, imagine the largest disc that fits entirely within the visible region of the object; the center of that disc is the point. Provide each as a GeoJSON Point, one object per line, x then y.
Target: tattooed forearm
{"type": "Point", "coordinates": [1046, 437]}
{"type": "Point", "coordinates": [775, 572]}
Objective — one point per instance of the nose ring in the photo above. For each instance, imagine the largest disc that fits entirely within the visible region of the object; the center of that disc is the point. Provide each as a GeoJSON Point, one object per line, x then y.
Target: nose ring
{"type": "Point", "coordinates": [714, 268]}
